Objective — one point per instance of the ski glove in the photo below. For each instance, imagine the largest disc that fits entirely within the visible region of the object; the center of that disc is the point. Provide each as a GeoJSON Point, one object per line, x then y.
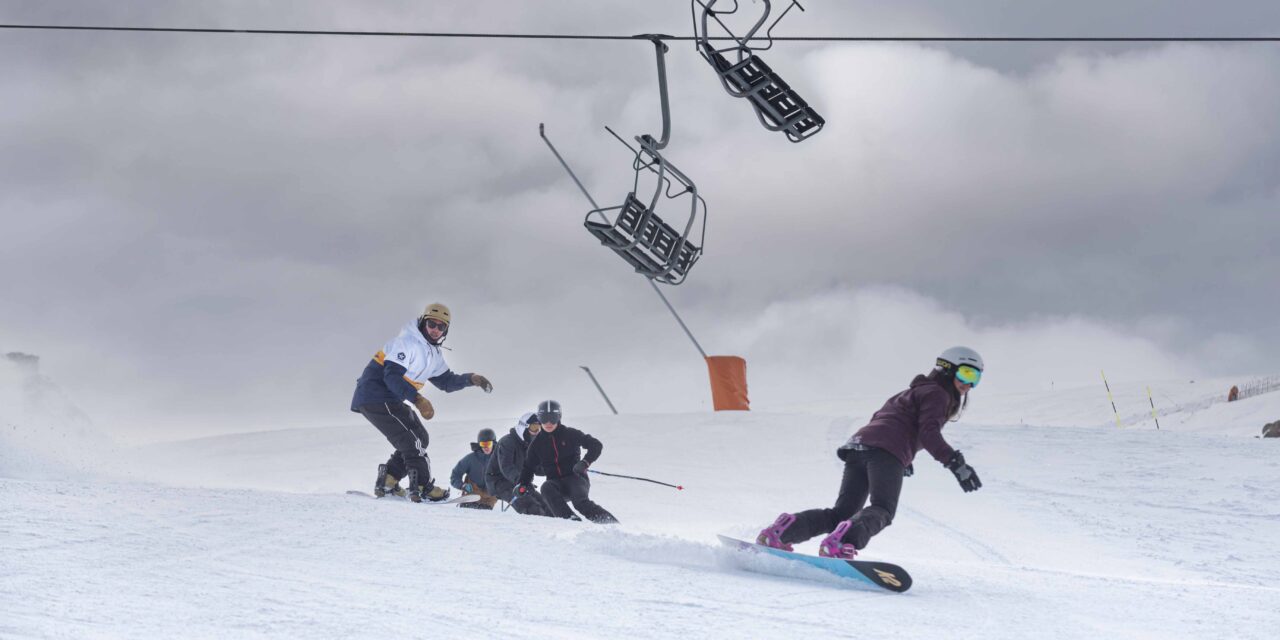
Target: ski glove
{"type": "Point", "coordinates": [520, 490]}
{"type": "Point", "coordinates": [964, 473]}
{"type": "Point", "coordinates": [424, 407]}
{"type": "Point", "coordinates": [482, 382]}
{"type": "Point", "coordinates": [908, 471]}
{"type": "Point", "coordinates": [581, 467]}
{"type": "Point", "coordinates": [467, 487]}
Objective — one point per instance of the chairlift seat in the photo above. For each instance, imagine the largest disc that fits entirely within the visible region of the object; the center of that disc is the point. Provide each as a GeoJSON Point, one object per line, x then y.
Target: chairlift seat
{"type": "Point", "coordinates": [779, 107]}
{"type": "Point", "coordinates": [647, 243]}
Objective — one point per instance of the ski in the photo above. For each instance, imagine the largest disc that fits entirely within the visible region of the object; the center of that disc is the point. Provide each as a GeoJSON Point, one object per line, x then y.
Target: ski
{"type": "Point", "coordinates": [863, 572]}
{"type": "Point", "coordinates": [471, 497]}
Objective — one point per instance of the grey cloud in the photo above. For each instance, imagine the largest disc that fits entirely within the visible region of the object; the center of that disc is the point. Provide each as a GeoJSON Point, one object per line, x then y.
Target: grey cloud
{"type": "Point", "coordinates": [220, 229]}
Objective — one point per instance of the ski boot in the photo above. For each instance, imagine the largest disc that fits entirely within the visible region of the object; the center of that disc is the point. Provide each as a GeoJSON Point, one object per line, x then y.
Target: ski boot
{"type": "Point", "coordinates": [386, 483]}
{"type": "Point", "coordinates": [834, 546]}
{"type": "Point", "coordinates": [771, 536]}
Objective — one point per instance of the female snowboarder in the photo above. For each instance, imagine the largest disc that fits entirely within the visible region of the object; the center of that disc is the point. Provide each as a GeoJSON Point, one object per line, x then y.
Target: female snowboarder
{"type": "Point", "coordinates": [878, 456]}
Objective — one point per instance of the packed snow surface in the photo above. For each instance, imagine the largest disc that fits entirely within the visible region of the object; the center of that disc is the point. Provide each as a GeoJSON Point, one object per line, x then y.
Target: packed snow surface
{"type": "Point", "coordinates": [1081, 530]}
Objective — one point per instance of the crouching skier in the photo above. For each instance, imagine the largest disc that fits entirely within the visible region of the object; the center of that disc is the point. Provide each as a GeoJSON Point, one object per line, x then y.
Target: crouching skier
{"type": "Point", "coordinates": [395, 376]}
{"type": "Point", "coordinates": [468, 475]}
{"type": "Point", "coordinates": [557, 452]}
{"type": "Point", "coordinates": [505, 466]}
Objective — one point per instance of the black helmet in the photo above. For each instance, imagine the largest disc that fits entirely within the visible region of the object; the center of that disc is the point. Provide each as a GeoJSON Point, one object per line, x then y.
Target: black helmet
{"type": "Point", "coordinates": [486, 435]}
{"type": "Point", "coordinates": [549, 411]}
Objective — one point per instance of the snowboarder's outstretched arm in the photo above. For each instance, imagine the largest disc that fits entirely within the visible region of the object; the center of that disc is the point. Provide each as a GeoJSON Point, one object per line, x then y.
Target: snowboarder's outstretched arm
{"type": "Point", "coordinates": [449, 381]}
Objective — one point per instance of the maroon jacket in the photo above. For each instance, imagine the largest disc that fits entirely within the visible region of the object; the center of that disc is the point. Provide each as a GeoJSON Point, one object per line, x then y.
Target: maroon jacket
{"type": "Point", "coordinates": [908, 422]}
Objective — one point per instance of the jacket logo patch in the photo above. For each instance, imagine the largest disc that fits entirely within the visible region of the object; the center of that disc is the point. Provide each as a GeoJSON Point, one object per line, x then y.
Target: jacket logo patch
{"type": "Point", "coordinates": [400, 356]}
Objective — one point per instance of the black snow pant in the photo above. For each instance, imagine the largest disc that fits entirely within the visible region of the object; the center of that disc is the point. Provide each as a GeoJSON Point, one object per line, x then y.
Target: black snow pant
{"type": "Point", "coordinates": [405, 432]}
{"type": "Point", "coordinates": [873, 473]}
{"type": "Point", "coordinates": [528, 505]}
{"type": "Point", "coordinates": [574, 488]}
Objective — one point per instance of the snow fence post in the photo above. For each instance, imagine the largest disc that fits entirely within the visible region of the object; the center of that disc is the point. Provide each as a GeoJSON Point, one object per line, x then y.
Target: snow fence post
{"type": "Point", "coordinates": [1113, 400]}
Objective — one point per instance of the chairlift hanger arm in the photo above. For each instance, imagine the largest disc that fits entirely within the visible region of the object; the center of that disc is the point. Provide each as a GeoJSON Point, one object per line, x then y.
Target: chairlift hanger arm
{"type": "Point", "coordinates": [660, 51]}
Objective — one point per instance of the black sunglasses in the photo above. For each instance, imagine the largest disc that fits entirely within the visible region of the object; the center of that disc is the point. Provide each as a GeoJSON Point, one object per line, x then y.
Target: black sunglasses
{"type": "Point", "coordinates": [435, 324]}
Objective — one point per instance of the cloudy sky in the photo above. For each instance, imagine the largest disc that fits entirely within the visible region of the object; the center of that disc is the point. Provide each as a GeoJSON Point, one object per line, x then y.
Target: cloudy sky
{"type": "Point", "coordinates": [210, 233]}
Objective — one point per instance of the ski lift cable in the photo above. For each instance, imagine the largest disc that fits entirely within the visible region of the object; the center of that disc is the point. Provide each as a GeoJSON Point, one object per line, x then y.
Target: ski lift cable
{"type": "Point", "coordinates": [565, 36]}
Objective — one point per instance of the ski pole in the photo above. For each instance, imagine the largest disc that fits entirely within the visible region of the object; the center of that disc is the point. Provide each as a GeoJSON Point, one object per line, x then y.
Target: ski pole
{"type": "Point", "coordinates": [616, 475]}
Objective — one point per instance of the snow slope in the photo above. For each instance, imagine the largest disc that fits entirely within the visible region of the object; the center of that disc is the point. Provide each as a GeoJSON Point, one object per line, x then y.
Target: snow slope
{"type": "Point", "coordinates": [1082, 530]}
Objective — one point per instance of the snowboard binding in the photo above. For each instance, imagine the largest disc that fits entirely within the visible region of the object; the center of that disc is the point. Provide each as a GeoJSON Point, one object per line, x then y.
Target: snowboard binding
{"type": "Point", "coordinates": [386, 483]}
{"type": "Point", "coordinates": [419, 493]}
{"type": "Point", "coordinates": [834, 546]}
{"type": "Point", "coordinates": [771, 536]}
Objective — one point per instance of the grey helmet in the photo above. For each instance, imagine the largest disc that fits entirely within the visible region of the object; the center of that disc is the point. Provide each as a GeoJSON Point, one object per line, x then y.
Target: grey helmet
{"type": "Point", "coordinates": [486, 435]}
{"type": "Point", "coordinates": [956, 356]}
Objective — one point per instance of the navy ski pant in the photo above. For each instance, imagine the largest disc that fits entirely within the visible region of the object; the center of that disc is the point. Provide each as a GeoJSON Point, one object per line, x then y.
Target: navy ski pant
{"type": "Point", "coordinates": [405, 432]}
{"type": "Point", "coordinates": [574, 488]}
{"type": "Point", "coordinates": [869, 473]}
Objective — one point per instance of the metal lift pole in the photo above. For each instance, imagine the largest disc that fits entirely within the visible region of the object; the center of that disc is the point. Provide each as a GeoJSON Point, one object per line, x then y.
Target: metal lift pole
{"type": "Point", "coordinates": [600, 389]}
{"type": "Point", "coordinates": [677, 316]}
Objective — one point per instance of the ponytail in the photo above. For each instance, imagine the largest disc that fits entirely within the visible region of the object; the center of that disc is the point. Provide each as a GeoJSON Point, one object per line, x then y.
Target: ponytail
{"type": "Point", "coordinates": [946, 380]}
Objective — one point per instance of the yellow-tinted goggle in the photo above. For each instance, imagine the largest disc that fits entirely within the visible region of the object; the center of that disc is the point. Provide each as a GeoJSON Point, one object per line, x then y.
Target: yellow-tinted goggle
{"type": "Point", "coordinates": [485, 443]}
{"type": "Point", "coordinates": [968, 375]}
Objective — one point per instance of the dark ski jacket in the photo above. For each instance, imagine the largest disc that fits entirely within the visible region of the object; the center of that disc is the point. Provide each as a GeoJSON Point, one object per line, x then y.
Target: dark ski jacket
{"type": "Point", "coordinates": [471, 468]}
{"type": "Point", "coordinates": [508, 459]}
{"type": "Point", "coordinates": [556, 453]}
{"type": "Point", "coordinates": [910, 421]}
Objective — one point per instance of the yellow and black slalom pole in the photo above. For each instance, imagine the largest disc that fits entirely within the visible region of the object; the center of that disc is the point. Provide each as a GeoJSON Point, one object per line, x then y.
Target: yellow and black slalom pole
{"type": "Point", "coordinates": [1113, 400]}
{"type": "Point", "coordinates": [1153, 408]}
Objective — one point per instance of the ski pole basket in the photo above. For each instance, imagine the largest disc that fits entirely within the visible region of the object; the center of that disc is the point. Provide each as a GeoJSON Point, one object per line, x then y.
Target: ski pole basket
{"type": "Point", "coordinates": [744, 75]}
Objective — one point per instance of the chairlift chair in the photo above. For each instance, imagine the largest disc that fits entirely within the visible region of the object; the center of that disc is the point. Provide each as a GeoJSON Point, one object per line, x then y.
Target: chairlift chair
{"type": "Point", "coordinates": [744, 75]}
{"type": "Point", "coordinates": [654, 248]}
{"type": "Point", "coordinates": [633, 229]}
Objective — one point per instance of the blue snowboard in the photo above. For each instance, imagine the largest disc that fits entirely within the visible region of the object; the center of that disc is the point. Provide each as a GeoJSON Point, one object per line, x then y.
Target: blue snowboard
{"type": "Point", "coordinates": [864, 572]}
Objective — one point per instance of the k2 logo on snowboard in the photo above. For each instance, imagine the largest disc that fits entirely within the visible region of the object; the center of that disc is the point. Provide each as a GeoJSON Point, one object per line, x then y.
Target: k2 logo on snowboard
{"type": "Point", "coordinates": [888, 578]}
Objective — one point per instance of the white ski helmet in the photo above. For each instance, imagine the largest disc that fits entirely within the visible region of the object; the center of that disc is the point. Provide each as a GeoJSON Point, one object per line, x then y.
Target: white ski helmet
{"type": "Point", "coordinates": [956, 356]}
